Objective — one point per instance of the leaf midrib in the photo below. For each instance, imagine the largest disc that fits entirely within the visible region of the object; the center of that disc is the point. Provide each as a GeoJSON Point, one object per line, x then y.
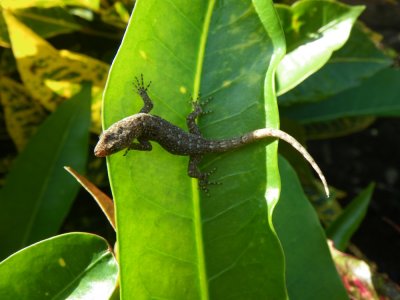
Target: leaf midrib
{"type": "Point", "coordinates": [203, 280]}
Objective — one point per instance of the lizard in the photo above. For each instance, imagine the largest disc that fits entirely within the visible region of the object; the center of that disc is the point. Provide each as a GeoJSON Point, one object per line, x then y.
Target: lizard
{"type": "Point", "coordinates": [136, 131]}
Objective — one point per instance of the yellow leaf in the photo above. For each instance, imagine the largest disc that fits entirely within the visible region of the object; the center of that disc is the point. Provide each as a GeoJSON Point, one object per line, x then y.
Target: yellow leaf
{"type": "Point", "coordinates": [22, 114]}
{"type": "Point", "coordinates": [18, 4]}
{"type": "Point", "coordinates": [41, 65]}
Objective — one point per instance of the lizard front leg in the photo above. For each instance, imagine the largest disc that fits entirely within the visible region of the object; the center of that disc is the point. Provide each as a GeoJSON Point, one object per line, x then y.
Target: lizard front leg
{"type": "Point", "coordinates": [142, 91]}
{"type": "Point", "coordinates": [191, 118]}
{"type": "Point", "coordinates": [143, 145]}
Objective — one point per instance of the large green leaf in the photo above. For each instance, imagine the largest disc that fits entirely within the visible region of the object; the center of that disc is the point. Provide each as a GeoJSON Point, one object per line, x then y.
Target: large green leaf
{"type": "Point", "coordinates": [341, 230]}
{"type": "Point", "coordinates": [174, 241]}
{"type": "Point", "coordinates": [357, 60]}
{"type": "Point", "coordinates": [310, 271]}
{"type": "Point", "coordinates": [68, 266]}
{"type": "Point", "coordinates": [313, 30]}
{"type": "Point", "coordinates": [38, 191]}
{"type": "Point", "coordinates": [377, 96]}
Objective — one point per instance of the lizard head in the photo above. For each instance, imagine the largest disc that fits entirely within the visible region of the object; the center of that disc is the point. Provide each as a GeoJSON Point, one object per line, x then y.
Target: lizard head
{"type": "Point", "coordinates": [117, 137]}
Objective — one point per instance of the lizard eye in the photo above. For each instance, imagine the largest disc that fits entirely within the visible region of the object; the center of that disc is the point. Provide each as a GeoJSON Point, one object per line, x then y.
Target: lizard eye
{"type": "Point", "coordinates": [109, 137]}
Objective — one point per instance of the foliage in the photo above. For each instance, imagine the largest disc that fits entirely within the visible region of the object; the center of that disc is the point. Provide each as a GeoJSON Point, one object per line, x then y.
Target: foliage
{"type": "Point", "coordinates": [247, 239]}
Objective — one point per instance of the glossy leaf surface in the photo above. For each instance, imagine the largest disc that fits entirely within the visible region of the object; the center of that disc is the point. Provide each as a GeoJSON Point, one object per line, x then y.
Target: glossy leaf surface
{"type": "Point", "coordinates": [175, 242]}
{"type": "Point", "coordinates": [68, 266]}
{"type": "Point", "coordinates": [348, 67]}
{"type": "Point", "coordinates": [313, 30]}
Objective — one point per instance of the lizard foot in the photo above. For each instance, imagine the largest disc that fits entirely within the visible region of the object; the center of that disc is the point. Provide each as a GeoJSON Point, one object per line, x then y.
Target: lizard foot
{"type": "Point", "coordinates": [139, 84]}
{"type": "Point", "coordinates": [198, 105]}
{"type": "Point", "coordinates": [204, 183]}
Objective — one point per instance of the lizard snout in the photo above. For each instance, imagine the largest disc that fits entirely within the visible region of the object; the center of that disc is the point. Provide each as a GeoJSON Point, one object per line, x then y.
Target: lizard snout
{"type": "Point", "coordinates": [100, 151]}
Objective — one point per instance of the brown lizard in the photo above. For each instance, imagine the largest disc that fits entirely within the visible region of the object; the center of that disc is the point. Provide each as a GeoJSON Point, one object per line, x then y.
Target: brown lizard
{"type": "Point", "coordinates": [145, 127]}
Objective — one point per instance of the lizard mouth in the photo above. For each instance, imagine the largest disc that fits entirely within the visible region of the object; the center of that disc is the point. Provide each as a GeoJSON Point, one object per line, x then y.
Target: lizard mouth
{"type": "Point", "coordinates": [99, 152]}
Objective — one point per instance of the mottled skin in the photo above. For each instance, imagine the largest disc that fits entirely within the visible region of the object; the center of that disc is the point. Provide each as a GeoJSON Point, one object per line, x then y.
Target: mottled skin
{"type": "Point", "coordinates": [144, 127]}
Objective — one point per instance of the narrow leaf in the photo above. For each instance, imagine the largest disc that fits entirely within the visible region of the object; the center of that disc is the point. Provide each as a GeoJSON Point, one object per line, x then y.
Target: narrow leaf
{"type": "Point", "coordinates": [68, 266]}
{"type": "Point", "coordinates": [105, 203]}
{"type": "Point", "coordinates": [38, 193]}
{"type": "Point", "coordinates": [341, 230]}
{"type": "Point", "coordinates": [48, 22]}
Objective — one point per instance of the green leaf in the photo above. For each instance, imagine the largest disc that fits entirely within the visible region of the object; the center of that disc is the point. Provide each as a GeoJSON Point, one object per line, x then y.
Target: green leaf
{"type": "Point", "coordinates": [174, 241]}
{"type": "Point", "coordinates": [310, 271]}
{"type": "Point", "coordinates": [48, 22]}
{"type": "Point", "coordinates": [357, 60]}
{"type": "Point", "coordinates": [341, 230]}
{"type": "Point", "coordinates": [377, 96]}
{"type": "Point", "coordinates": [38, 191]}
{"type": "Point", "coordinates": [45, 21]}
{"type": "Point", "coordinates": [313, 30]}
{"type": "Point", "coordinates": [68, 266]}
{"type": "Point", "coordinates": [4, 38]}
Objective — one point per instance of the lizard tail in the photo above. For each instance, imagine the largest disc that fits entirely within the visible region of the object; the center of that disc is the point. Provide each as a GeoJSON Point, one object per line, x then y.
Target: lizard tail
{"type": "Point", "coordinates": [259, 134]}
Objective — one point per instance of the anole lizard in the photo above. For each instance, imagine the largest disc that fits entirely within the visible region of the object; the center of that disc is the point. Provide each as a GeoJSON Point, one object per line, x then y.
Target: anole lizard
{"type": "Point", "coordinates": [145, 127]}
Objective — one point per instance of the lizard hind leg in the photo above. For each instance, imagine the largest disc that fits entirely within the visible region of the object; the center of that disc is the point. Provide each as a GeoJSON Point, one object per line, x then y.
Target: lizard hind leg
{"type": "Point", "coordinates": [194, 172]}
{"type": "Point", "coordinates": [142, 91]}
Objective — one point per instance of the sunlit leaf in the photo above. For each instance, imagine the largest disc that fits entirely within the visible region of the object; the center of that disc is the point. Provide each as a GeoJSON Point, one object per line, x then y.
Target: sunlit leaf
{"type": "Point", "coordinates": [356, 61]}
{"type": "Point", "coordinates": [40, 63]}
{"type": "Point", "coordinates": [313, 30]}
{"type": "Point", "coordinates": [12, 4]}
{"type": "Point", "coordinates": [22, 114]}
